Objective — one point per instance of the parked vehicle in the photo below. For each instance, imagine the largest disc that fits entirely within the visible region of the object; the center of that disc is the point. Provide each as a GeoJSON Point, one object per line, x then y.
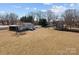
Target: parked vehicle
{"type": "Point", "coordinates": [28, 26]}
{"type": "Point", "coordinates": [23, 27]}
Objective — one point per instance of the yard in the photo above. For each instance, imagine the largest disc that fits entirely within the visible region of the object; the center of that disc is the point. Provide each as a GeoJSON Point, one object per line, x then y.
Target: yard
{"type": "Point", "coordinates": [40, 41]}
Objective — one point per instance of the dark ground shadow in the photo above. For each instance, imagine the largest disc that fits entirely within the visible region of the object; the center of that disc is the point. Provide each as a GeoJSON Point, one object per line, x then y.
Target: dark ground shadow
{"type": "Point", "coordinates": [20, 33]}
{"type": "Point", "coordinates": [69, 30]}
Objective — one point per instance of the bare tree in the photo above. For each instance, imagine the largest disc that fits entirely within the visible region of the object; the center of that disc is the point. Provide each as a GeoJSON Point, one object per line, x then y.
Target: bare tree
{"type": "Point", "coordinates": [2, 19]}
{"type": "Point", "coordinates": [7, 19]}
{"type": "Point", "coordinates": [13, 18]}
{"type": "Point", "coordinates": [50, 16]}
{"type": "Point", "coordinates": [71, 17]}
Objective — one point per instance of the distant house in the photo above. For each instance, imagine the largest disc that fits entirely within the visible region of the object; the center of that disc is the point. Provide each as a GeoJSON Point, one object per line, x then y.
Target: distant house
{"type": "Point", "coordinates": [60, 25]}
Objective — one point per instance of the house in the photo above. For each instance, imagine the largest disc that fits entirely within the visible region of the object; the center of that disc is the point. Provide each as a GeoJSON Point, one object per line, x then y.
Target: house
{"type": "Point", "coordinates": [60, 25]}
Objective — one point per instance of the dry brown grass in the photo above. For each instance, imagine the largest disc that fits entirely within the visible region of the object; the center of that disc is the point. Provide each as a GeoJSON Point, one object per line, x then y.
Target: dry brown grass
{"type": "Point", "coordinates": [41, 41]}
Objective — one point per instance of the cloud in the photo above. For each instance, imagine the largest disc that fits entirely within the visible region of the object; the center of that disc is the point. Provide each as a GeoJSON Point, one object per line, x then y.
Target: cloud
{"type": "Point", "coordinates": [58, 9]}
{"type": "Point", "coordinates": [27, 8]}
{"type": "Point", "coordinates": [17, 6]}
{"type": "Point", "coordinates": [2, 12]}
{"type": "Point", "coordinates": [43, 10]}
{"type": "Point", "coordinates": [47, 3]}
{"type": "Point", "coordinates": [72, 5]}
{"type": "Point", "coordinates": [21, 7]}
{"type": "Point", "coordinates": [35, 8]}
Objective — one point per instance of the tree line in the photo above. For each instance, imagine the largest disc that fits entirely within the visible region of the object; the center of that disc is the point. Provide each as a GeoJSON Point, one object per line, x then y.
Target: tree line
{"type": "Point", "coordinates": [70, 18]}
{"type": "Point", "coordinates": [8, 19]}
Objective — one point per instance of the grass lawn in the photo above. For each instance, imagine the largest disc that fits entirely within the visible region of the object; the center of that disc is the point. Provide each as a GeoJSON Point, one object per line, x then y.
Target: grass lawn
{"type": "Point", "coordinates": [40, 41]}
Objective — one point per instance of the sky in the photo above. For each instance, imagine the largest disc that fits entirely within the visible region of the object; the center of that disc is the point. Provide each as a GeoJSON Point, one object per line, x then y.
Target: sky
{"type": "Point", "coordinates": [22, 9]}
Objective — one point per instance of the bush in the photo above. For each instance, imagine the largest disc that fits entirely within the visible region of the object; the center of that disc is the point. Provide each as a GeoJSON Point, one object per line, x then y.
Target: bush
{"type": "Point", "coordinates": [27, 19]}
{"type": "Point", "coordinates": [43, 22]}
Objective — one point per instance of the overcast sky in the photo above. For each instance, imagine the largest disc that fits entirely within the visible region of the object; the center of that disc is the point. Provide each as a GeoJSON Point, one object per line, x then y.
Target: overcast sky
{"type": "Point", "coordinates": [23, 8]}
